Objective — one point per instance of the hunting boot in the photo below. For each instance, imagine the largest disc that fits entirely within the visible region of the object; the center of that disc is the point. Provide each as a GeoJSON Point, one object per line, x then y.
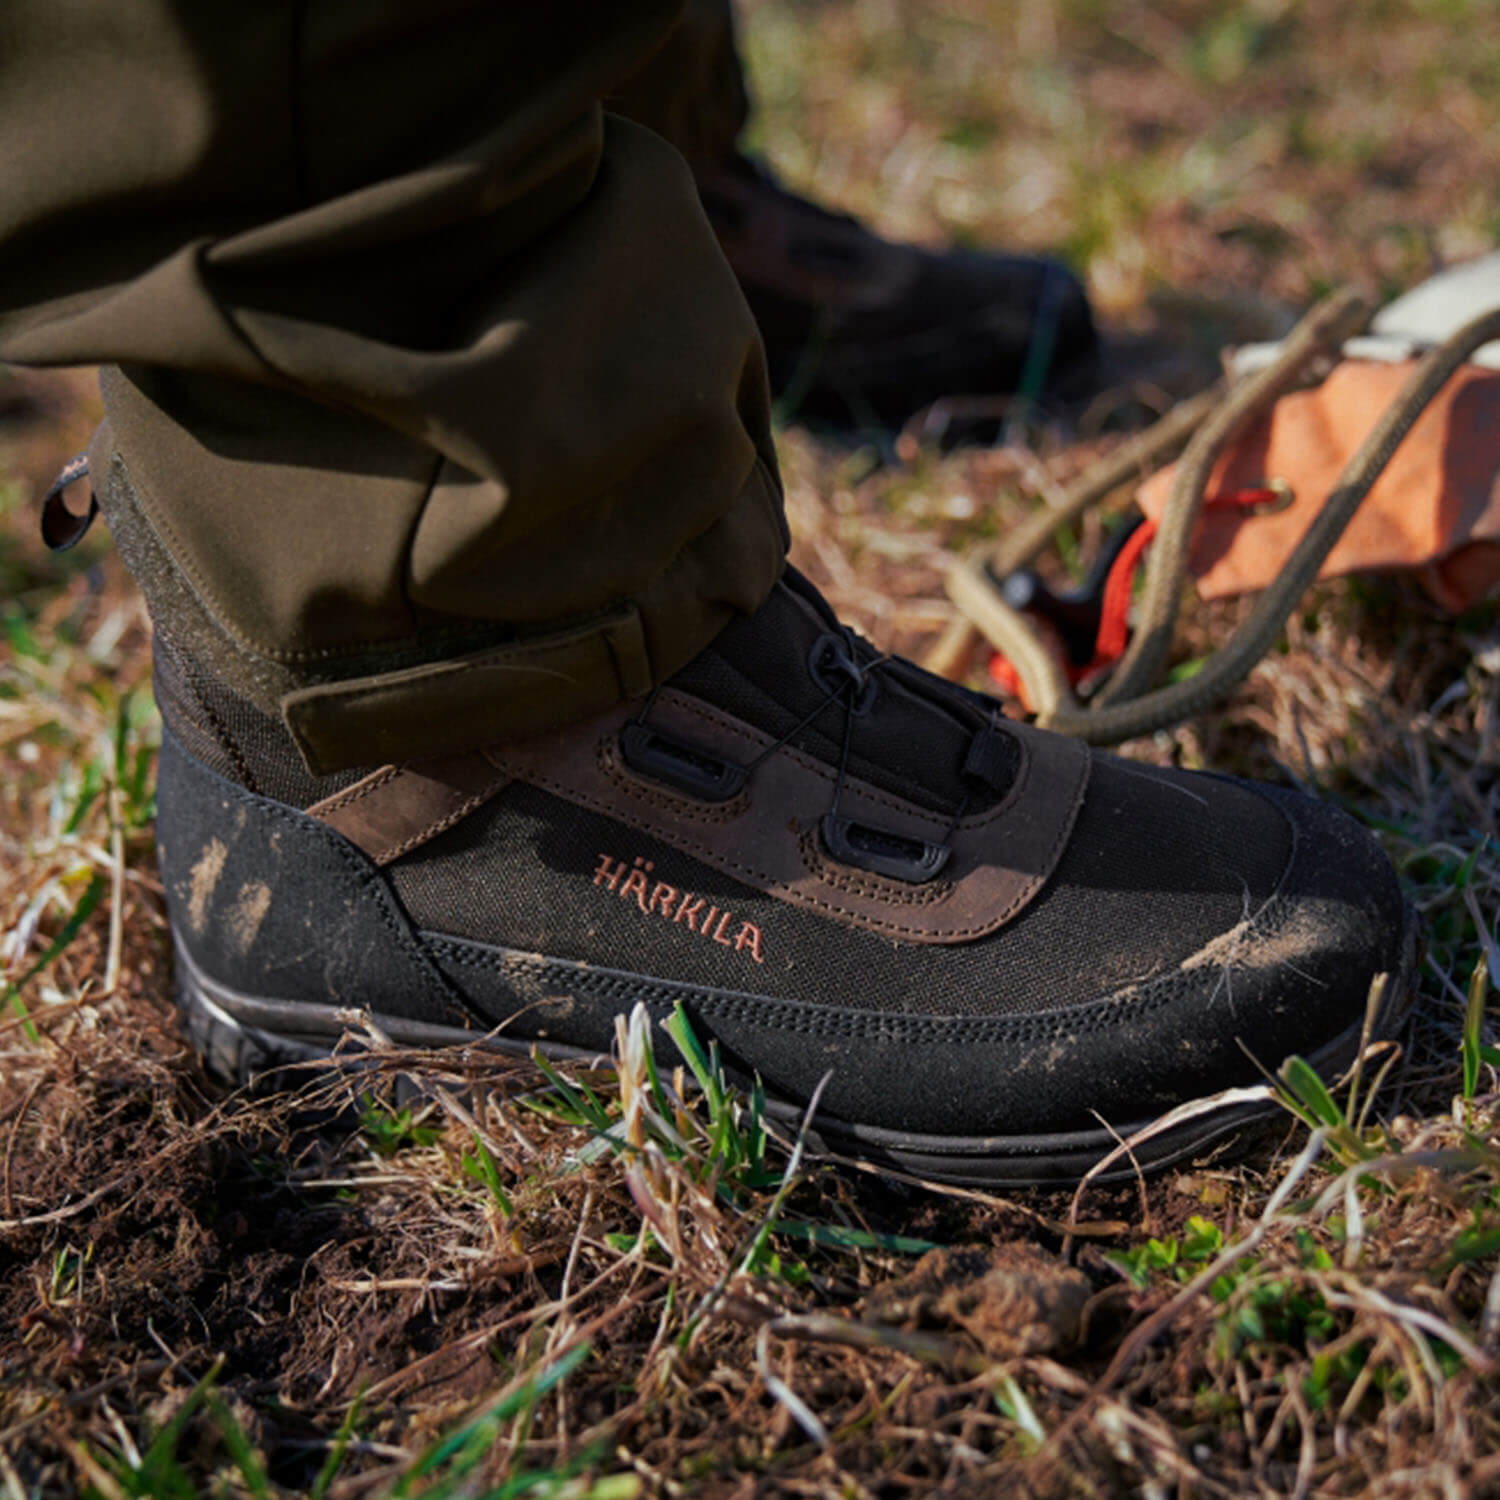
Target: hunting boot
{"type": "Point", "coordinates": [999, 946]}
{"type": "Point", "coordinates": [865, 330]}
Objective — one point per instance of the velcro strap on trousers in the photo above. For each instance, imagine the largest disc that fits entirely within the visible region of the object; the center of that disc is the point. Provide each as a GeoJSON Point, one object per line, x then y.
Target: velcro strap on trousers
{"type": "Point", "coordinates": [500, 693]}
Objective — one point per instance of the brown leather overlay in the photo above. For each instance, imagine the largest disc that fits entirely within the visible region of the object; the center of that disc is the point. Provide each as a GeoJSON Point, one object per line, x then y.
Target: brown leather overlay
{"type": "Point", "coordinates": [768, 836]}
{"type": "Point", "coordinates": [395, 809]}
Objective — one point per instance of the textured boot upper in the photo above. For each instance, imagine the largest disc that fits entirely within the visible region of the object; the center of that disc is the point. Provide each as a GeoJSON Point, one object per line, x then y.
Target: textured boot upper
{"type": "Point", "coordinates": [1097, 936]}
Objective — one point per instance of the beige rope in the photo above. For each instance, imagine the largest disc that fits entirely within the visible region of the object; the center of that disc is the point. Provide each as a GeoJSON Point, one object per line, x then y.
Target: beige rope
{"type": "Point", "coordinates": [1130, 462]}
{"type": "Point", "coordinates": [1047, 688]}
{"type": "Point", "coordinates": [1336, 318]}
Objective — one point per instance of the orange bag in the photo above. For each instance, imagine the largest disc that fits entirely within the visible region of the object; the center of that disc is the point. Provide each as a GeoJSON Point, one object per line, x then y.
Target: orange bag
{"type": "Point", "coordinates": [1435, 509]}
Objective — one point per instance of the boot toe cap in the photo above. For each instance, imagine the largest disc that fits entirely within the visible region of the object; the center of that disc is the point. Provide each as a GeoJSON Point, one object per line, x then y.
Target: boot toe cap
{"type": "Point", "coordinates": [1292, 976]}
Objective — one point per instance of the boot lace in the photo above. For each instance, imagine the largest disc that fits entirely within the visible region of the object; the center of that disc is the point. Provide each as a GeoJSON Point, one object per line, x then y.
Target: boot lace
{"type": "Point", "coordinates": [850, 679]}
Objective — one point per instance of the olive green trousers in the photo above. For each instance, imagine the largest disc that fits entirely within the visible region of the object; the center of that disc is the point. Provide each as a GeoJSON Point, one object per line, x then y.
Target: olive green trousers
{"type": "Point", "coordinates": [435, 415]}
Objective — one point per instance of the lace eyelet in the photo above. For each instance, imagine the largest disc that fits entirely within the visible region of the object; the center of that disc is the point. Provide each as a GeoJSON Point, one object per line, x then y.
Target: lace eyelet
{"type": "Point", "coordinates": [681, 765]}
{"type": "Point", "coordinates": [882, 852]}
{"type": "Point", "coordinates": [832, 665]}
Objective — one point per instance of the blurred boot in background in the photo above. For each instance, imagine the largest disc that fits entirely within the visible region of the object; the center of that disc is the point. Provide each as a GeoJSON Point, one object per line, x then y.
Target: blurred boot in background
{"type": "Point", "coordinates": [857, 329]}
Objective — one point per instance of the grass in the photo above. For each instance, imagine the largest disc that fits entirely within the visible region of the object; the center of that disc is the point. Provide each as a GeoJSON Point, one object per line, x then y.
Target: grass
{"type": "Point", "coordinates": [560, 1281]}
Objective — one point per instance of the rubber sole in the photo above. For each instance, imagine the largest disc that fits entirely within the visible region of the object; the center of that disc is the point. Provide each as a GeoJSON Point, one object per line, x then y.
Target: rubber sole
{"type": "Point", "coordinates": [248, 1040]}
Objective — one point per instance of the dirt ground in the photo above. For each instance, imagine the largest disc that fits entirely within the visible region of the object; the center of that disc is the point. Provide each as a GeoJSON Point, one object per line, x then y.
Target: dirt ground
{"type": "Point", "coordinates": [349, 1290]}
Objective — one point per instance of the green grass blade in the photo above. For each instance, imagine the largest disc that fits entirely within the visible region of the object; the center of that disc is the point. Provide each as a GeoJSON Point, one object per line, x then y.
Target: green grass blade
{"type": "Point", "coordinates": [139, 803]}
{"type": "Point", "coordinates": [480, 1165]}
{"type": "Point", "coordinates": [653, 1079]}
{"type": "Point", "coordinates": [465, 1448]}
{"type": "Point", "coordinates": [88, 792]}
{"type": "Point", "coordinates": [97, 886]}
{"type": "Point", "coordinates": [1466, 870]}
{"type": "Point", "coordinates": [158, 1459]}
{"type": "Point", "coordinates": [585, 1105]}
{"type": "Point", "coordinates": [1308, 1089]}
{"type": "Point", "coordinates": [1479, 984]}
{"type": "Point", "coordinates": [122, 738]}
{"type": "Point", "coordinates": [756, 1130]}
{"type": "Point", "coordinates": [240, 1449]}
{"type": "Point", "coordinates": [841, 1237]}
{"type": "Point", "coordinates": [335, 1460]}
{"type": "Point", "coordinates": [680, 1029]}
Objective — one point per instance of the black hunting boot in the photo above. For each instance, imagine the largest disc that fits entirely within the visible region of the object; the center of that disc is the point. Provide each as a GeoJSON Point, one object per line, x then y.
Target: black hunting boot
{"type": "Point", "coordinates": [859, 329]}
{"type": "Point", "coordinates": [992, 939]}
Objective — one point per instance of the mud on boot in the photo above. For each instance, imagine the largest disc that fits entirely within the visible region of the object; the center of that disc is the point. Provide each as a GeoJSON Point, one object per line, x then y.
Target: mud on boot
{"type": "Point", "coordinates": [990, 937]}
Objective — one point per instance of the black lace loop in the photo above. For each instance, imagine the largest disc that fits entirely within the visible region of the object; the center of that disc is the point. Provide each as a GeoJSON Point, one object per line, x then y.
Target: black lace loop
{"type": "Point", "coordinates": [693, 768]}
{"type": "Point", "coordinates": [988, 764]}
{"type": "Point", "coordinates": [834, 664]}
{"type": "Point", "coordinates": [61, 527]}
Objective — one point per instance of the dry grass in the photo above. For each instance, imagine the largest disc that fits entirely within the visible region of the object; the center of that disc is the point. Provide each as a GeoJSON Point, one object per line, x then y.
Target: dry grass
{"type": "Point", "coordinates": [483, 1292]}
